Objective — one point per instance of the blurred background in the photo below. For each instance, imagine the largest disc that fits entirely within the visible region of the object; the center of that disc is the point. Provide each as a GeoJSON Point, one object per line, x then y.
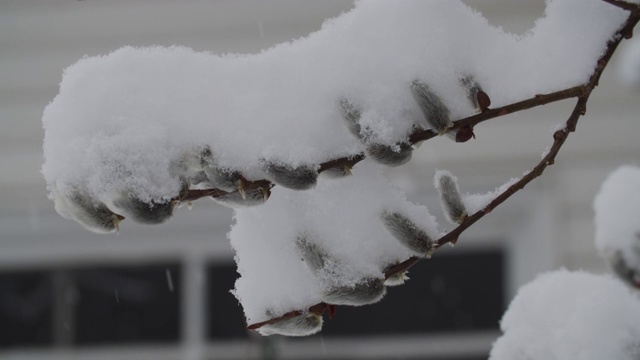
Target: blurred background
{"type": "Point", "coordinates": [162, 292]}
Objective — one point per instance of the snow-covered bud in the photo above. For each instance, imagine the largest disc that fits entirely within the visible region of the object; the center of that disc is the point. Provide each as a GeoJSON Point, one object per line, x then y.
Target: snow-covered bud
{"type": "Point", "coordinates": [301, 325]}
{"type": "Point", "coordinates": [144, 212]}
{"type": "Point", "coordinates": [396, 155]}
{"type": "Point", "coordinates": [478, 98]}
{"type": "Point", "coordinates": [397, 279]}
{"type": "Point", "coordinates": [93, 215]}
{"type": "Point", "coordinates": [296, 178]}
{"type": "Point", "coordinates": [255, 196]}
{"type": "Point", "coordinates": [364, 292]}
{"type": "Point", "coordinates": [189, 167]}
{"type": "Point", "coordinates": [219, 177]}
{"type": "Point", "coordinates": [351, 116]}
{"type": "Point", "coordinates": [452, 204]}
{"type": "Point", "coordinates": [409, 235]}
{"type": "Point", "coordinates": [436, 113]}
{"type": "Point", "coordinates": [314, 256]}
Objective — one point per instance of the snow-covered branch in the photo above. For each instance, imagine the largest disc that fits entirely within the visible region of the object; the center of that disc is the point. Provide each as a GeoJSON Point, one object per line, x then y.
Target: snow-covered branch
{"type": "Point", "coordinates": [582, 92]}
{"type": "Point", "coordinates": [137, 132]}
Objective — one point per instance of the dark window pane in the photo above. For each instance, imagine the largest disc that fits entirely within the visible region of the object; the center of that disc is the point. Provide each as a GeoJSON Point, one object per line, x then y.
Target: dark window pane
{"type": "Point", "coordinates": [459, 292]}
{"type": "Point", "coordinates": [25, 309]}
{"type": "Point", "coordinates": [127, 304]}
{"type": "Point", "coordinates": [225, 318]}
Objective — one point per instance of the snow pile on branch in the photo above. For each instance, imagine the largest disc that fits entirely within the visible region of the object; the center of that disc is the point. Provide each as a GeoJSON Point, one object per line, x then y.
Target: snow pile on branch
{"type": "Point", "coordinates": [132, 130]}
{"type": "Point", "coordinates": [340, 217]}
{"type": "Point", "coordinates": [121, 119]}
{"type": "Point", "coordinates": [571, 315]}
{"type": "Point", "coordinates": [617, 222]}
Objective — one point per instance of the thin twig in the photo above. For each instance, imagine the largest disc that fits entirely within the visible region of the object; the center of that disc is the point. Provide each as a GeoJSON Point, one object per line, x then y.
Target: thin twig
{"type": "Point", "coordinates": [623, 4]}
{"type": "Point", "coordinates": [559, 137]}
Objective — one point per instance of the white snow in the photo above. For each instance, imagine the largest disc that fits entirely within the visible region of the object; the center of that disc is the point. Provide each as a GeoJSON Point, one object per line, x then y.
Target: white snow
{"type": "Point", "coordinates": [617, 217]}
{"type": "Point", "coordinates": [571, 315]}
{"type": "Point", "coordinates": [121, 122]}
{"type": "Point", "coordinates": [342, 217]}
{"type": "Point", "coordinates": [476, 202]}
{"type": "Point", "coordinates": [120, 119]}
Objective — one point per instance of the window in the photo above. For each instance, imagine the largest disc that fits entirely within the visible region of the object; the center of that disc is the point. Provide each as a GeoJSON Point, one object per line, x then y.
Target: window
{"type": "Point", "coordinates": [26, 315]}
{"type": "Point", "coordinates": [460, 292]}
{"type": "Point", "coordinates": [127, 304]}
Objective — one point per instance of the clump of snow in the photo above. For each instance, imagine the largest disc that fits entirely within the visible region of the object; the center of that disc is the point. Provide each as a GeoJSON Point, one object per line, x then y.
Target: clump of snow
{"type": "Point", "coordinates": [121, 119]}
{"type": "Point", "coordinates": [343, 218]}
{"type": "Point", "coordinates": [133, 127]}
{"type": "Point", "coordinates": [571, 315]}
{"type": "Point", "coordinates": [617, 221]}
{"type": "Point", "coordinates": [476, 202]}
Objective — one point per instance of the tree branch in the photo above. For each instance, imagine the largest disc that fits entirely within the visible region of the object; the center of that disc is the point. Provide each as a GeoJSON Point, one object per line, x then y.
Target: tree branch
{"type": "Point", "coordinates": [623, 4]}
{"type": "Point", "coordinates": [582, 92]}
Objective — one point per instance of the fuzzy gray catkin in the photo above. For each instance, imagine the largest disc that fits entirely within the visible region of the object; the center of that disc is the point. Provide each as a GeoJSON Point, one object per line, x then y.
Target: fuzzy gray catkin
{"type": "Point", "coordinates": [436, 113]}
{"type": "Point", "coordinates": [452, 203]}
{"type": "Point", "coordinates": [388, 155]}
{"type": "Point", "coordinates": [144, 212]}
{"type": "Point", "coordinates": [301, 325]}
{"type": "Point", "coordinates": [351, 117]}
{"type": "Point", "coordinates": [396, 155]}
{"type": "Point", "coordinates": [296, 178]}
{"type": "Point", "coordinates": [219, 177]}
{"type": "Point", "coordinates": [363, 292]}
{"type": "Point", "coordinates": [408, 234]}
{"type": "Point", "coordinates": [189, 167]}
{"type": "Point", "coordinates": [80, 207]}
{"type": "Point", "coordinates": [314, 257]}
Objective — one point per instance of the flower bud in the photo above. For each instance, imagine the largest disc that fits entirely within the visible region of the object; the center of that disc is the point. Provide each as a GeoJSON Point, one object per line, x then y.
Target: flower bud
{"type": "Point", "coordinates": [396, 155]}
{"type": "Point", "coordinates": [452, 204]}
{"type": "Point", "coordinates": [144, 212]}
{"type": "Point", "coordinates": [296, 178]}
{"type": "Point", "coordinates": [436, 113]}
{"type": "Point", "coordinates": [314, 257]}
{"type": "Point", "coordinates": [80, 207]}
{"type": "Point", "coordinates": [351, 116]}
{"type": "Point", "coordinates": [364, 292]}
{"type": "Point", "coordinates": [301, 325]}
{"type": "Point", "coordinates": [409, 235]}
{"type": "Point", "coordinates": [478, 98]}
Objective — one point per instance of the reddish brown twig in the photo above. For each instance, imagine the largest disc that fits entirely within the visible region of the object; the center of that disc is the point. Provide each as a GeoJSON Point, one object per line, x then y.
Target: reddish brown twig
{"type": "Point", "coordinates": [623, 5]}
{"type": "Point", "coordinates": [559, 137]}
{"type": "Point", "coordinates": [416, 137]}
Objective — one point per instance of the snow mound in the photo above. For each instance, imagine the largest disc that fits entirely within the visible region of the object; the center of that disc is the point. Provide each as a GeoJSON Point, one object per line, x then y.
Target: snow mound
{"type": "Point", "coordinates": [571, 315]}
{"type": "Point", "coordinates": [343, 218]}
{"type": "Point", "coordinates": [121, 119]}
{"type": "Point", "coordinates": [617, 222]}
